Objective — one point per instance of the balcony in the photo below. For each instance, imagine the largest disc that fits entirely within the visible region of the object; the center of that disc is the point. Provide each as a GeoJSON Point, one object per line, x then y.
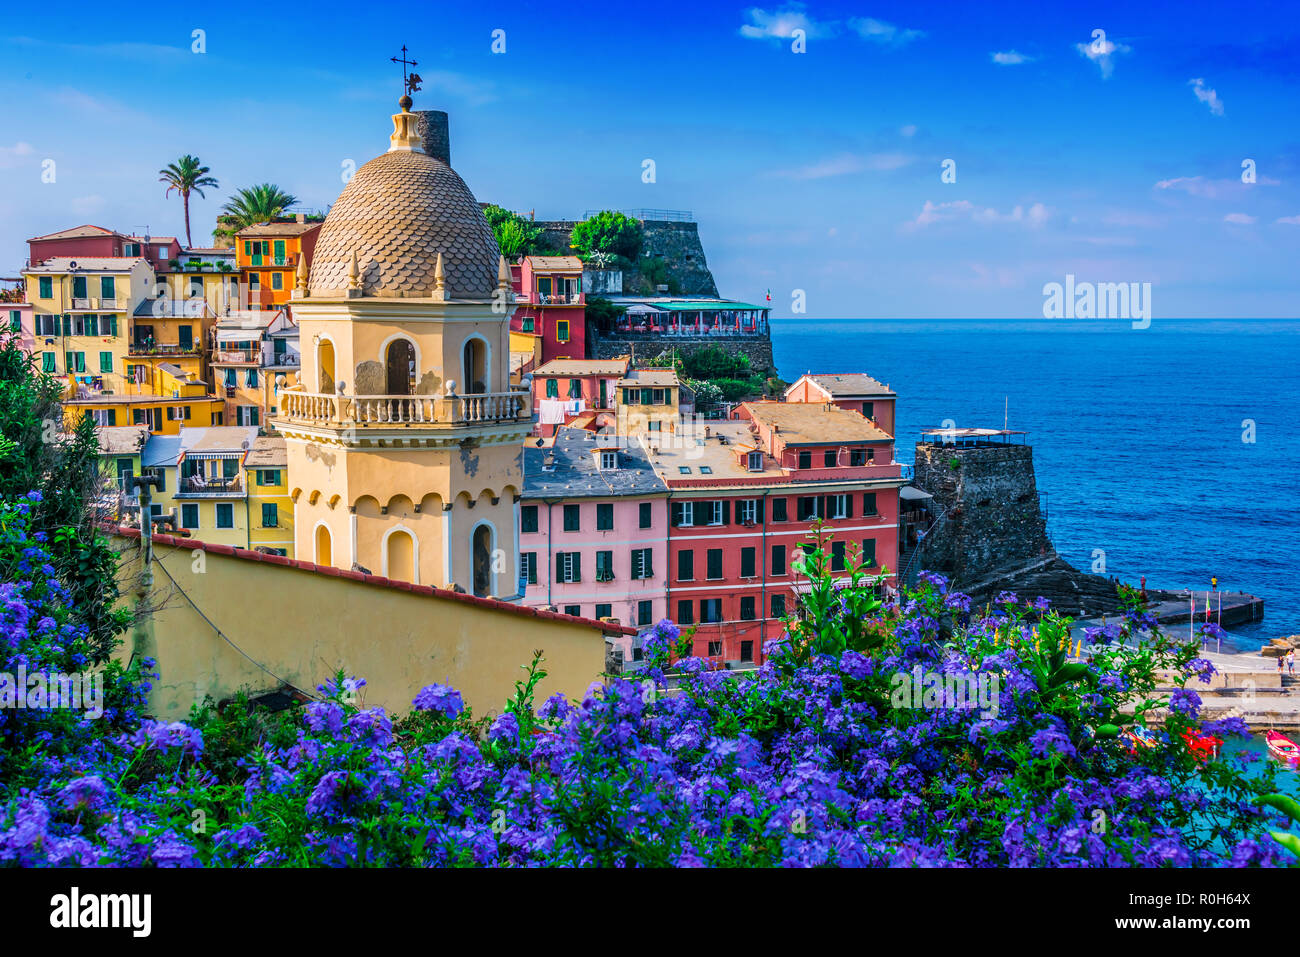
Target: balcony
{"type": "Point", "coordinates": [198, 486]}
{"type": "Point", "coordinates": [315, 408]}
{"type": "Point", "coordinates": [284, 360]}
{"type": "Point", "coordinates": [551, 298]}
{"type": "Point", "coordinates": [237, 357]}
{"type": "Point", "coordinates": [149, 348]}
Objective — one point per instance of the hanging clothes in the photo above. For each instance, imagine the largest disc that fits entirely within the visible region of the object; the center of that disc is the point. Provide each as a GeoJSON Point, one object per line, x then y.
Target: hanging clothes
{"type": "Point", "coordinates": [552, 412]}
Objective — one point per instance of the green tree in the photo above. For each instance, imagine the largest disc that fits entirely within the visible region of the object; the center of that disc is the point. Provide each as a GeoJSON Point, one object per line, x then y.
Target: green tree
{"type": "Point", "coordinates": [187, 175]}
{"type": "Point", "coordinates": [515, 235]}
{"type": "Point", "coordinates": [603, 313]}
{"type": "Point", "coordinates": [608, 232]}
{"type": "Point", "coordinates": [37, 455]}
{"type": "Point", "coordinates": [253, 204]}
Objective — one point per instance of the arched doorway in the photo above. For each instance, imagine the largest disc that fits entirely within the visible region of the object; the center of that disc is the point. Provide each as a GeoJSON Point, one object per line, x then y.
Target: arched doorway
{"type": "Point", "coordinates": [474, 366]}
{"type": "Point", "coordinates": [324, 549]}
{"type": "Point", "coordinates": [399, 557]}
{"type": "Point", "coordinates": [482, 560]}
{"type": "Point", "coordinates": [325, 367]}
{"type": "Point", "coordinates": [399, 365]}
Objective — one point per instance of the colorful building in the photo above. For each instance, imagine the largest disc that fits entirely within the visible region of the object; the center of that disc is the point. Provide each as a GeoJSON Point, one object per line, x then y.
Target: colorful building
{"type": "Point", "coordinates": [81, 317]}
{"type": "Point", "coordinates": [855, 391]}
{"type": "Point", "coordinates": [267, 256]}
{"type": "Point", "coordinates": [163, 398]}
{"type": "Point", "coordinates": [16, 313]}
{"type": "Point", "coordinates": [594, 529]}
{"type": "Point", "coordinates": [120, 451]}
{"type": "Point", "coordinates": [649, 401]}
{"type": "Point", "coordinates": [551, 306]}
{"type": "Point", "coordinates": [251, 354]}
{"type": "Point", "coordinates": [403, 435]}
{"type": "Point", "coordinates": [270, 509]}
{"type": "Point", "coordinates": [578, 392]}
{"type": "Point", "coordinates": [97, 242]}
{"type": "Point", "coordinates": [745, 493]}
{"type": "Point", "coordinates": [206, 483]}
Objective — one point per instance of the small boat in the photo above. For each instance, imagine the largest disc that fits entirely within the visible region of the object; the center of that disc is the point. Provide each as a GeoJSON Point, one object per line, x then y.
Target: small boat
{"type": "Point", "coordinates": [1140, 737]}
{"type": "Point", "coordinates": [1280, 746]}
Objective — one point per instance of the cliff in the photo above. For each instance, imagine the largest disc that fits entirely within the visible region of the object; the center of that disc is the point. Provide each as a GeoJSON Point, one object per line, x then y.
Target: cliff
{"type": "Point", "coordinates": [677, 244]}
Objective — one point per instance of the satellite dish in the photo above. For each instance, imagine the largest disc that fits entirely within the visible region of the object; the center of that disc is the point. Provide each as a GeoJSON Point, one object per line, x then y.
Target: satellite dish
{"type": "Point", "coordinates": [72, 264]}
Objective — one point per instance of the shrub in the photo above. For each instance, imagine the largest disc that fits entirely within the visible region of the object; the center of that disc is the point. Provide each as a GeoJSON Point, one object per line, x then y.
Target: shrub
{"type": "Point", "coordinates": [608, 232]}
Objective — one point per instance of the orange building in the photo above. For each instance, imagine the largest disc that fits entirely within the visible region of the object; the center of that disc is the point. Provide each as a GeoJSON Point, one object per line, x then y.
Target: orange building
{"type": "Point", "coordinates": [267, 255]}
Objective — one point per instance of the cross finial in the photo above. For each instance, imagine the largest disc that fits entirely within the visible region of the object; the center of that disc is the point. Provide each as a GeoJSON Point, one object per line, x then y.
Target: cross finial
{"type": "Point", "coordinates": [410, 81]}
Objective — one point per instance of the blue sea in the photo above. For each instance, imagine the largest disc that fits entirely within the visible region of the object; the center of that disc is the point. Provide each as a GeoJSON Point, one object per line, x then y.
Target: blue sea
{"type": "Point", "coordinates": [1137, 433]}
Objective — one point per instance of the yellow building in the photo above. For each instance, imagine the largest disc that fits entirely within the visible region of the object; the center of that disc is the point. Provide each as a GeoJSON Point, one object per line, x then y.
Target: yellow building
{"type": "Point", "coordinates": [120, 452]}
{"type": "Point", "coordinates": [254, 358]}
{"type": "Point", "coordinates": [203, 480]}
{"type": "Point", "coordinates": [81, 311]}
{"type": "Point", "coordinates": [404, 436]}
{"type": "Point", "coordinates": [270, 509]}
{"type": "Point", "coordinates": [161, 397]}
{"type": "Point", "coordinates": [648, 402]}
{"type": "Point", "coordinates": [174, 323]}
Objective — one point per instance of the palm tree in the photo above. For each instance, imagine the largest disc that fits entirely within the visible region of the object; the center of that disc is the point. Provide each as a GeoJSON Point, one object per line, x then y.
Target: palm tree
{"type": "Point", "coordinates": [187, 175]}
{"type": "Point", "coordinates": [253, 204]}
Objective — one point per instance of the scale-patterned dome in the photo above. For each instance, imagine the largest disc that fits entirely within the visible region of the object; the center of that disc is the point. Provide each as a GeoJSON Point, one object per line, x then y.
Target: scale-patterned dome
{"type": "Point", "coordinates": [398, 212]}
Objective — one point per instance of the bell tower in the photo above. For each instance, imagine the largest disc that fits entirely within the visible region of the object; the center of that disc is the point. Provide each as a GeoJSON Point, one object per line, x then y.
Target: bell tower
{"type": "Point", "coordinates": [404, 437]}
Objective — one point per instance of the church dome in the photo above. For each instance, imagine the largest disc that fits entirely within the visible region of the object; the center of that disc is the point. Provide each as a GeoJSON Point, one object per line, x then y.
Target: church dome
{"type": "Point", "coordinates": [396, 215]}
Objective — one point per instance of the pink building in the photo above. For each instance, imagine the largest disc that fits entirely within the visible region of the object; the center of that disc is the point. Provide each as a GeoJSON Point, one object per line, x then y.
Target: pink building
{"type": "Point", "coordinates": [593, 527]}
{"type": "Point", "coordinates": [550, 305]}
{"type": "Point", "coordinates": [855, 391]}
{"type": "Point", "coordinates": [577, 392]}
{"type": "Point", "coordinates": [16, 313]}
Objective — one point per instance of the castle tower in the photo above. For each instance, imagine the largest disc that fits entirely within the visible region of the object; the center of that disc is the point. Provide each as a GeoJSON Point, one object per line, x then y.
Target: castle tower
{"type": "Point", "coordinates": [404, 437]}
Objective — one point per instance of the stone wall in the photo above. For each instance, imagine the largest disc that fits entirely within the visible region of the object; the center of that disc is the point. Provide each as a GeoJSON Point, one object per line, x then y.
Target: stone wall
{"type": "Point", "coordinates": [758, 348]}
{"type": "Point", "coordinates": [993, 519]}
{"type": "Point", "coordinates": [678, 244]}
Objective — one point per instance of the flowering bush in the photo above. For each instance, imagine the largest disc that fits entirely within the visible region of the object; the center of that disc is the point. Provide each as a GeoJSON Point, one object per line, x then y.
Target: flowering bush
{"type": "Point", "coordinates": [809, 760]}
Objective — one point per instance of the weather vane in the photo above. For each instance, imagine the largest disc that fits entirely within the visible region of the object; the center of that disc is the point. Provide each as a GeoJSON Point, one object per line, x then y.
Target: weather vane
{"type": "Point", "coordinates": [410, 82]}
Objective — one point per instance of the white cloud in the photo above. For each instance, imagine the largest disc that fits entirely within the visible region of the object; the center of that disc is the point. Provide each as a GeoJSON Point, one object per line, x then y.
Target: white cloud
{"type": "Point", "coordinates": [909, 131]}
{"type": "Point", "coordinates": [963, 210]}
{"type": "Point", "coordinates": [1289, 220]}
{"type": "Point", "coordinates": [1102, 51]}
{"type": "Point", "coordinates": [13, 155]}
{"type": "Point", "coordinates": [1239, 219]}
{"type": "Point", "coordinates": [1011, 58]}
{"type": "Point", "coordinates": [878, 31]}
{"type": "Point", "coordinates": [781, 24]}
{"type": "Point", "coordinates": [846, 163]}
{"type": "Point", "coordinates": [1211, 188]}
{"type": "Point", "coordinates": [1207, 96]}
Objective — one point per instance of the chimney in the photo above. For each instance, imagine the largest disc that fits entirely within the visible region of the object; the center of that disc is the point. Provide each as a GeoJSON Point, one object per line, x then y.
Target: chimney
{"type": "Point", "coordinates": [300, 217]}
{"type": "Point", "coordinates": [433, 132]}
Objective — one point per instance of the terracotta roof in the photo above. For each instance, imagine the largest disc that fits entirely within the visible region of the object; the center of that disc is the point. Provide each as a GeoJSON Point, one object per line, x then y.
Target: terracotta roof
{"type": "Point", "coordinates": [650, 377]}
{"type": "Point", "coordinates": [808, 423]}
{"type": "Point", "coordinates": [267, 452]}
{"type": "Point", "coordinates": [555, 263]}
{"type": "Point", "coordinates": [88, 264]}
{"type": "Point", "coordinates": [176, 541]}
{"type": "Point", "coordinates": [77, 232]}
{"type": "Point", "coordinates": [278, 229]}
{"type": "Point", "coordinates": [563, 367]}
{"type": "Point", "coordinates": [396, 214]}
{"type": "Point", "coordinates": [121, 439]}
{"type": "Point", "coordinates": [849, 384]}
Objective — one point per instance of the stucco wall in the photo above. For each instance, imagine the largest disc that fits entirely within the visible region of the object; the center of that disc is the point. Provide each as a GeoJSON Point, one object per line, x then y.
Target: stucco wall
{"type": "Point", "coordinates": [302, 624]}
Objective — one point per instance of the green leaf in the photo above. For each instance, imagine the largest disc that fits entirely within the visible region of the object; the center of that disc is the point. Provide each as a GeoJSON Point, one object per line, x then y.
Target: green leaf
{"type": "Point", "coordinates": [1289, 841]}
{"type": "Point", "coordinates": [1287, 805]}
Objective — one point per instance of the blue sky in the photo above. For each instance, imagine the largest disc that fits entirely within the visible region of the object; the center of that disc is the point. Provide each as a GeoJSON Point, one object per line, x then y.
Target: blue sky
{"type": "Point", "coordinates": [818, 171]}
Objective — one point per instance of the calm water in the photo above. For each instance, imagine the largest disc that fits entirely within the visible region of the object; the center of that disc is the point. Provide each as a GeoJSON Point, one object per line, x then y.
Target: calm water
{"type": "Point", "coordinates": [1137, 434]}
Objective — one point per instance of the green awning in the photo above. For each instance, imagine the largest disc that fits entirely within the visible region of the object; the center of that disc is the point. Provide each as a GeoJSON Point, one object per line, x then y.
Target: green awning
{"type": "Point", "coordinates": [702, 306]}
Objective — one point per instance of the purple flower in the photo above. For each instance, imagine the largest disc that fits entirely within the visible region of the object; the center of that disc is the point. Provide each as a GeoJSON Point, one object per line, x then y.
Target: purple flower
{"type": "Point", "coordinates": [440, 698]}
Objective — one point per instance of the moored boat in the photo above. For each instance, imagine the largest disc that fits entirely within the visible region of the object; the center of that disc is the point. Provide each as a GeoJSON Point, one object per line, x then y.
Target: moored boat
{"type": "Point", "coordinates": [1282, 747]}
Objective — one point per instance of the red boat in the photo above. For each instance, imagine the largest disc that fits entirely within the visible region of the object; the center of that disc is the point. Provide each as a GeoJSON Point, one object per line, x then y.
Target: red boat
{"type": "Point", "coordinates": [1282, 747]}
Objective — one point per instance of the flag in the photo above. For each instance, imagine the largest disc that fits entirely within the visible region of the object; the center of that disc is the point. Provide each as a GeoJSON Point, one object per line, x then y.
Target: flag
{"type": "Point", "coordinates": [769, 295]}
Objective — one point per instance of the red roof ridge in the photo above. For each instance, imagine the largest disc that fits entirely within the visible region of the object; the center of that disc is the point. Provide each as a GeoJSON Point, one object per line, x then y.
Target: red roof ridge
{"type": "Point", "coordinates": [244, 553]}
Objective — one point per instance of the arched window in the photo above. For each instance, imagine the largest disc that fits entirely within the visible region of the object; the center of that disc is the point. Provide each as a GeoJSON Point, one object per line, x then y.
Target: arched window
{"type": "Point", "coordinates": [474, 362]}
{"type": "Point", "coordinates": [399, 557]}
{"type": "Point", "coordinates": [482, 560]}
{"type": "Point", "coordinates": [325, 366]}
{"type": "Point", "coordinates": [399, 364]}
{"type": "Point", "coordinates": [324, 549]}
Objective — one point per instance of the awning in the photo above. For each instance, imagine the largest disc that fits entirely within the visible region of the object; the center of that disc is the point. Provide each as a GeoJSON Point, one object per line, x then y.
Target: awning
{"type": "Point", "coordinates": [239, 335]}
{"type": "Point", "coordinates": [910, 493]}
{"type": "Point", "coordinates": [641, 309]}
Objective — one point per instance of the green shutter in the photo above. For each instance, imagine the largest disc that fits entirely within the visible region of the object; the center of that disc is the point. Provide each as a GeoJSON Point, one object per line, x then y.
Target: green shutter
{"type": "Point", "coordinates": [48, 362]}
{"type": "Point", "coordinates": [269, 517]}
{"type": "Point", "coordinates": [106, 362]}
{"type": "Point", "coordinates": [112, 325]}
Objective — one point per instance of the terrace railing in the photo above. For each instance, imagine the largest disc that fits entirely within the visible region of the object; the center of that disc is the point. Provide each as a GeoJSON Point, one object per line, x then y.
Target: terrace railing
{"type": "Point", "coordinates": [377, 410]}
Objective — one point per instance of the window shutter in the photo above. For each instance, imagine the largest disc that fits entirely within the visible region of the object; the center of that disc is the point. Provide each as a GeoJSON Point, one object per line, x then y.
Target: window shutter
{"type": "Point", "coordinates": [647, 563]}
{"type": "Point", "coordinates": [758, 511]}
{"type": "Point", "coordinates": [636, 563]}
{"type": "Point", "coordinates": [561, 559]}
{"type": "Point", "coordinates": [67, 324]}
{"type": "Point", "coordinates": [677, 514]}
{"type": "Point", "coordinates": [576, 560]}
{"type": "Point", "coordinates": [848, 506]}
{"type": "Point", "coordinates": [726, 512]}
{"type": "Point", "coordinates": [821, 506]}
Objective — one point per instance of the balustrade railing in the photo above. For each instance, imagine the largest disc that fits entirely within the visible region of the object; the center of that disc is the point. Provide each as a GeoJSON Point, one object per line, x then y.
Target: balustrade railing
{"type": "Point", "coordinates": [404, 409]}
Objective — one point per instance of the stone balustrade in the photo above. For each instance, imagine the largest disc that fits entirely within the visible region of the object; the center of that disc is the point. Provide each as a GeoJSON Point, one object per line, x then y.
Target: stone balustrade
{"type": "Point", "coordinates": [367, 410]}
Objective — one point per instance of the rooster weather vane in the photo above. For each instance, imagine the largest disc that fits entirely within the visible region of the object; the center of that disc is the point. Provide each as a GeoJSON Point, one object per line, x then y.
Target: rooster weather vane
{"type": "Point", "coordinates": [410, 81]}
